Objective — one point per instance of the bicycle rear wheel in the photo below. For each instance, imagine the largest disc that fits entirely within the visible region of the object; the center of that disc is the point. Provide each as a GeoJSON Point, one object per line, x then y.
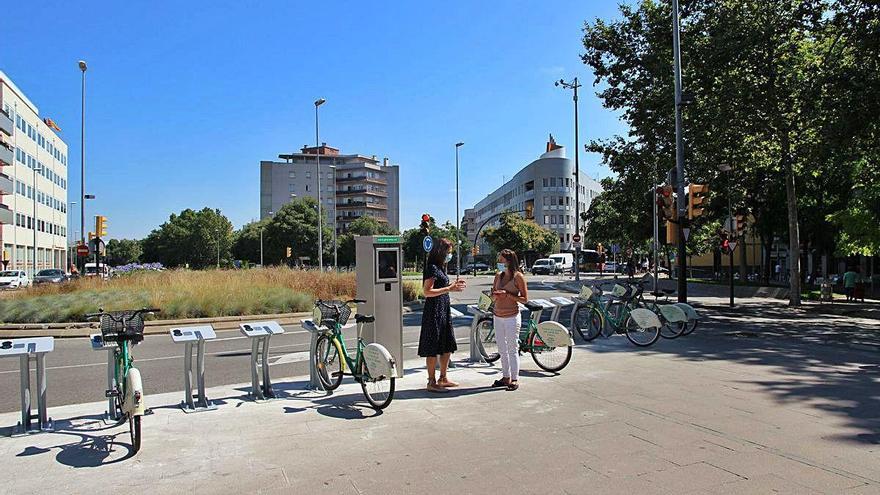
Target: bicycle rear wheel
{"type": "Point", "coordinates": [641, 337]}
{"type": "Point", "coordinates": [551, 359]}
{"type": "Point", "coordinates": [378, 391]}
{"type": "Point", "coordinates": [134, 426]}
{"type": "Point", "coordinates": [690, 327]}
{"type": "Point", "coordinates": [328, 362]}
{"type": "Point", "coordinates": [588, 322]}
{"type": "Point", "coordinates": [486, 339]}
{"type": "Point", "coordinates": [671, 330]}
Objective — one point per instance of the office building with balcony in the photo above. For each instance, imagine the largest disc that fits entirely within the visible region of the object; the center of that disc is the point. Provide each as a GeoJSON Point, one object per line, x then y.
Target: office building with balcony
{"type": "Point", "coordinates": [544, 190]}
{"type": "Point", "coordinates": [33, 184]}
{"type": "Point", "coordinates": [352, 186]}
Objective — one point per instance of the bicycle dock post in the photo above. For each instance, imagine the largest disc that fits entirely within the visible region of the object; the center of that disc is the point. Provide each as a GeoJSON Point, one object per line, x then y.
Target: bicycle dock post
{"type": "Point", "coordinates": [545, 305]}
{"type": "Point", "coordinates": [187, 336]}
{"type": "Point", "coordinates": [560, 303]}
{"type": "Point", "coordinates": [260, 333]}
{"type": "Point", "coordinates": [24, 349]}
{"type": "Point", "coordinates": [98, 344]}
{"type": "Point", "coordinates": [476, 356]}
{"type": "Point", "coordinates": [314, 382]}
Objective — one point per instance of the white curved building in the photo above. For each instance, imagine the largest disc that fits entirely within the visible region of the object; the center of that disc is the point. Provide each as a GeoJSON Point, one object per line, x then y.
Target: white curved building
{"type": "Point", "coordinates": [543, 190]}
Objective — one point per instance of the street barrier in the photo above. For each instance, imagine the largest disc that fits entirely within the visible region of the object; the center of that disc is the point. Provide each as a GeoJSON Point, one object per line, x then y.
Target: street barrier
{"type": "Point", "coordinates": [187, 336]}
{"type": "Point", "coordinates": [25, 349]}
{"type": "Point", "coordinates": [260, 333]}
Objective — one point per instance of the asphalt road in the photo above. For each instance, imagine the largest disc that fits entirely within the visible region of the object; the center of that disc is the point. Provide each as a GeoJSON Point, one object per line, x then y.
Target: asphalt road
{"type": "Point", "coordinates": [78, 374]}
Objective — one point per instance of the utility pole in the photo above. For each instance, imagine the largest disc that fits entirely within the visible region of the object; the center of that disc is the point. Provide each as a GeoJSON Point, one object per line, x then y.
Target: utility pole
{"type": "Point", "coordinates": [319, 102]}
{"type": "Point", "coordinates": [574, 85]}
{"type": "Point", "coordinates": [679, 157]}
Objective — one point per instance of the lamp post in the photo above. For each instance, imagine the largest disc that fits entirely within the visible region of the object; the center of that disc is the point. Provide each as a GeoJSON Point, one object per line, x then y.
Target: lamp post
{"type": "Point", "coordinates": [82, 155]}
{"type": "Point", "coordinates": [318, 103]}
{"type": "Point", "coordinates": [457, 218]}
{"type": "Point", "coordinates": [679, 156]}
{"type": "Point", "coordinates": [37, 168]}
{"type": "Point", "coordinates": [335, 249]}
{"type": "Point", "coordinates": [574, 85]}
{"type": "Point", "coordinates": [217, 231]}
{"type": "Point", "coordinates": [261, 240]}
{"type": "Point", "coordinates": [727, 169]}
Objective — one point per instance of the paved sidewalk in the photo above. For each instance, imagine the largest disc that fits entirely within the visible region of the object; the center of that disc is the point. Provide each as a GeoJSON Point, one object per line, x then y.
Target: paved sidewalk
{"type": "Point", "coordinates": [704, 414]}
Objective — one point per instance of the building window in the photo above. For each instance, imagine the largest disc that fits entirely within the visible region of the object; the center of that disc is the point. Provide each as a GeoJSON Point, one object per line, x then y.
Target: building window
{"type": "Point", "coordinates": [292, 175]}
{"type": "Point", "coordinates": [567, 203]}
{"type": "Point", "coordinates": [307, 188]}
{"type": "Point", "coordinates": [546, 219]}
{"type": "Point", "coordinates": [552, 181]}
{"type": "Point", "coordinates": [546, 200]}
{"type": "Point", "coordinates": [308, 175]}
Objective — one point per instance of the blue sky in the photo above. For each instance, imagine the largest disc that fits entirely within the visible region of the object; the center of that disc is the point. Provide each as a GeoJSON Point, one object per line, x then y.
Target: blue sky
{"type": "Point", "coordinates": [184, 99]}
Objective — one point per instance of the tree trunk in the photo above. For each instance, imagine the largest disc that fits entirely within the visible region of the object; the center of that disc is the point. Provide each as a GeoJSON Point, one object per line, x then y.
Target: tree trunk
{"type": "Point", "coordinates": [794, 246]}
{"type": "Point", "coordinates": [743, 260]}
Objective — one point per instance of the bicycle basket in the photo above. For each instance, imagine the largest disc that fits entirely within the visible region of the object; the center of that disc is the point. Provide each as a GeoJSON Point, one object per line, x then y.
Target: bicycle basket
{"type": "Point", "coordinates": [337, 311]}
{"type": "Point", "coordinates": [117, 326]}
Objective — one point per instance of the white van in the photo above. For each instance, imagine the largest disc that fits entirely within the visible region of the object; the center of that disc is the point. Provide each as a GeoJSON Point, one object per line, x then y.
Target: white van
{"type": "Point", "coordinates": [564, 262]}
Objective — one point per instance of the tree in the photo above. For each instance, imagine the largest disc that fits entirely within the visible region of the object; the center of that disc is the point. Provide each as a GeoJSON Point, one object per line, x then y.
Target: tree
{"type": "Point", "coordinates": [123, 251]}
{"type": "Point", "coordinates": [521, 235]}
{"type": "Point", "coordinates": [295, 226]}
{"type": "Point", "coordinates": [362, 226]}
{"type": "Point", "coordinates": [190, 238]}
{"type": "Point", "coordinates": [246, 242]}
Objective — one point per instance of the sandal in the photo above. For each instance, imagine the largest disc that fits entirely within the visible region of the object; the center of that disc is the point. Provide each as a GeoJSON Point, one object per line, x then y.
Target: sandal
{"type": "Point", "coordinates": [512, 386]}
{"type": "Point", "coordinates": [446, 383]}
{"type": "Point", "coordinates": [500, 383]}
{"type": "Point", "coordinates": [434, 387]}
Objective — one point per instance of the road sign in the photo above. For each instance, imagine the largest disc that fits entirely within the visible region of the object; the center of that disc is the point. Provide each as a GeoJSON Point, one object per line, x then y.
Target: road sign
{"type": "Point", "coordinates": [82, 250]}
{"type": "Point", "coordinates": [687, 233]}
{"type": "Point", "coordinates": [427, 243]}
{"type": "Point", "coordinates": [576, 238]}
{"type": "Point", "coordinates": [732, 245]}
{"type": "Point", "coordinates": [576, 245]}
{"type": "Point", "coordinates": [615, 248]}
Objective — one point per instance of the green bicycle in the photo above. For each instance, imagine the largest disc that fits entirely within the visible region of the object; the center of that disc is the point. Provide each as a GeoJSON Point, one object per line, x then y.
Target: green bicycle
{"type": "Point", "coordinates": [549, 342]}
{"type": "Point", "coordinates": [616, 314]}
{"type": "Point", "coordinates": [373, 366]}
{"type": "Point", "coordinates": [125, 328]}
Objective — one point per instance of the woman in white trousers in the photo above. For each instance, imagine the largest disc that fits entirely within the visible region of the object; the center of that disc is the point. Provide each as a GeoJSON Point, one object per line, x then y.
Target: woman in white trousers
{"type": "Point", "coordinates": [508, 290]}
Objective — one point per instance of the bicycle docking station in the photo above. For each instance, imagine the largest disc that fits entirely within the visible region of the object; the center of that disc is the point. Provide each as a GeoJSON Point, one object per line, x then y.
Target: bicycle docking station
{"type": "Point", "coordinates": [188, 336]}
{"type": "Point", "coordinates": [260, 332]}
{"type": "Point", "coordinates": [480, 311]}
{"type": "Point", "coordinates": [98, 344]}
{"type": "Point", "coordinates": [315, 332]}
{"type": "Point", "coordinates": [378, 281]}
{"type": "Point", "coordinates": [26, 349]}
{"type": "Point", "coordinates": [560, 302]}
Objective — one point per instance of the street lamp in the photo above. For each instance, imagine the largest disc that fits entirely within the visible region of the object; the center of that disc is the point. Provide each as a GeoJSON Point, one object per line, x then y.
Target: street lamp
{"type": "Point", "coordinates": [82, 156]}
{"type": "Point", "coordinates": [727, 170]}
{"type": "Point", "coordinates": [574, 85]}
{"type": "Point", "coordinates": [318, 103]}
{"type": "Point", "coordinates": [457, 218]}
{"type": "Point", "coordinates": [37, 168]}
{"type": "Point", "coordinates": [261, 240]}
{"type": "Point", "coordinates": [218, 247]}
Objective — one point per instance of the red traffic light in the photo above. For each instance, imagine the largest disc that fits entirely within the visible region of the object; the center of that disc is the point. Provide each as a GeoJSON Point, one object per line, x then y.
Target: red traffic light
{"type": "Point", "coordinates": [426, 217]}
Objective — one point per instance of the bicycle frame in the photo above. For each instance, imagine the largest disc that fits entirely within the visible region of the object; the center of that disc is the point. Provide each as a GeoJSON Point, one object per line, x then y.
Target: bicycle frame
{"type": "Point", "coordinates": [353, 365]}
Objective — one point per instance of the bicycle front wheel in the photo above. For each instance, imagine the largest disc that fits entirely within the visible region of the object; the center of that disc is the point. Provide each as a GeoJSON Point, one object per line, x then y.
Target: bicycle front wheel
{"type": "Point", "coordinates": [378, 391]}
{"type": "Point", "coordinates": [639, 336]}
{"type": "Point", "coordinates": [671, 330]}
{"type": "Point", "coordinates": [486, 339]}
{"type": "Point", "coordinates": [588, 322]}
{"type": "Point", "coordinates": [551, 359]}
{"type": "Point", "coordinates": [328, 362]}
{"type": "Point", "coordinates": [134, 426]}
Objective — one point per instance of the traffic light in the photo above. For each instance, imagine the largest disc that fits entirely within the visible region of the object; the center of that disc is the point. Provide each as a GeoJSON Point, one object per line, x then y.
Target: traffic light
{"type": "Point", "coordinates": [672, 228]}
{"type": "Point", "coordinates": [474, 250]}
{"type": "Point", "coordinates": [666, 202]}
{"type": "Point", "coordinates": [697, 199]}
{"type": "Point", "coordinates": [724, 241]}
{"type": "Point", "coordinates": [740, 224]}
{"type": "Point", "coordinates": [100, 226]}
{"type": "Point", "coordinates": [425, 225]}
{"type": "Point", "coordinates": [91, 236]}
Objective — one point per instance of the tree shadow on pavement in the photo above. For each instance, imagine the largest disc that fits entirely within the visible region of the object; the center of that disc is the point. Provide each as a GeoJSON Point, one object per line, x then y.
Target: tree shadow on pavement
{"type": "Point", "coordinates": [829, 378]}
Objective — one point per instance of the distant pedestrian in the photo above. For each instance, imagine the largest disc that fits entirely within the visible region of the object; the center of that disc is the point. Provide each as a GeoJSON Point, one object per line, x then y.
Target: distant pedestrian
{"type": "Point", "coordinates": [508, 289]}
{"type": "Point", "coordinates": [437, 339]}
{"type": "Point", "coordinates": [601, 263]}
{"type": "Point", "coordinates": [849, 283]}
{"type": "Point", "coordinates": [777, 270]}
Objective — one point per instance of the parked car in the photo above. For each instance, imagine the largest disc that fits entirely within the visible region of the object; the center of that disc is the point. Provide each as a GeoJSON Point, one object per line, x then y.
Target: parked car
{"type": "Point", "coordinates": [545, 266]}
{"type": "Point", "coordinates": [564, 261]}
{"type": "Point", "coordinates": [469, 268]}
{"type": "Point", "coordinates": [14, 279]}
{"type": "Point", "coordinates": [50, 276]}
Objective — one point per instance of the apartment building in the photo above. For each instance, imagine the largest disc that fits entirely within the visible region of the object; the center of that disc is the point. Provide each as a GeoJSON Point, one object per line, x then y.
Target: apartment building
{"type": "Point", "coordinates": [543, 190]}
{"type": "Point", "coordinates": [33, 184]}
{"type": "Point", "coordinates": [352, 186]}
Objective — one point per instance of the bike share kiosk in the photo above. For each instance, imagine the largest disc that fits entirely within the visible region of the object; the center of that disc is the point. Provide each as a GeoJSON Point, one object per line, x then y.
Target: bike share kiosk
{"type": "Point", "coordinates": [24, 350]}
{"type": "Point", "coordinates": [187, 336]}
{"type": "Point", "coordinates": [260, 332]}
{"type": "Point", "coordinates": [378, 259]}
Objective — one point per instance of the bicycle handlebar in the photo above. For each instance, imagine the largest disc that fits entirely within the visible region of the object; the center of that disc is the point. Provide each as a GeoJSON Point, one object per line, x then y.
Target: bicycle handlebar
{"type": "Point", "coordinates": [133, 312]}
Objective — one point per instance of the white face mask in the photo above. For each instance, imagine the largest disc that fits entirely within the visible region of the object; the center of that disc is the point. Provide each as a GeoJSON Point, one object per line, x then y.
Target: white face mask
{"type": "Point", "coordinates": [448, 257]}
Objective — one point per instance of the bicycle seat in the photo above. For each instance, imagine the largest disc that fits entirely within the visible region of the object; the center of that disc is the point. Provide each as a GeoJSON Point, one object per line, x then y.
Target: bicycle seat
{"type": "Point", "coordinates": [658, 293]}
{"type": "Point", "coordinates": [533, 306]}
{"type": "Point", "coordinates": [364, 318]}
